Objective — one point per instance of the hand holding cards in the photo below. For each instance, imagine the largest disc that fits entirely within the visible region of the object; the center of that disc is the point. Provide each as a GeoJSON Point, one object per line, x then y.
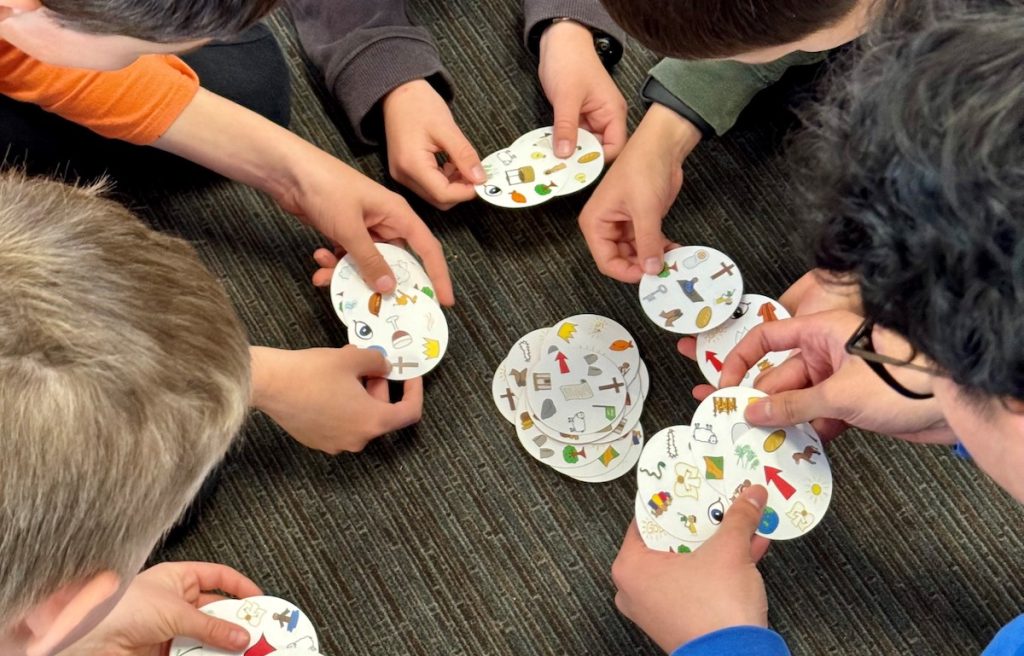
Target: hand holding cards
{"type": "Point", "coordinates": [575, 394]}
{"type": "Point", "coordinates": [407, 326]}
{"type": "Point", "coordinates": [275, 626]}
{"type": "Point", "coordinates": [689, 475]}
{"type": "Point", "coordinates": [528, 173]}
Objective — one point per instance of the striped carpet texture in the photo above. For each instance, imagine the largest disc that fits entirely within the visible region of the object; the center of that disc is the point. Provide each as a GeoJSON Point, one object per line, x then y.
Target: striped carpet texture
{"type": "Point", "coordinates": [447, 538]}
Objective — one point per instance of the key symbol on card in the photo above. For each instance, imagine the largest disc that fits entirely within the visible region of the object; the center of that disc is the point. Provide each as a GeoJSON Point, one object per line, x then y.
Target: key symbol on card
{"type": "Point", "coordinates": [662, 289]}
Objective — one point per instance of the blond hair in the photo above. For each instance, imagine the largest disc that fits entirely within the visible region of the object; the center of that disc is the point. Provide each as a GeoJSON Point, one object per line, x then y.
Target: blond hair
{"type": "Point", "coordinates": [124, 375]}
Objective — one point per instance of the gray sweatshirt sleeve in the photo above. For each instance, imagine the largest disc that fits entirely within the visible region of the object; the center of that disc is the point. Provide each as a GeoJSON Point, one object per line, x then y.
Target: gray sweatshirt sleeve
{"type": "Point", "coordinates": [537, 13]}
{"type": "Point", "coordinates": [365, 49]}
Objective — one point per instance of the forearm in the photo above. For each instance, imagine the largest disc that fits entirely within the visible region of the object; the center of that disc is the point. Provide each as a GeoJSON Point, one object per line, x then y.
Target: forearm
{"type": "Point", "coordinates": [670, 132]}
{"type": "Point", "coordinates": [538, 14]}
{"type": "Point", "coordinates": [244, 146]}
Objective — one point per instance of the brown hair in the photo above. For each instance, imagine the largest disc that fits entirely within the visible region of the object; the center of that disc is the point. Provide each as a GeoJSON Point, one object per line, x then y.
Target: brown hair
{"type": "Point", "coordinates": [162, 21]}
{"type": "Point", "coordinates": [124, 376]}
{"type": "Point", "coordinates": [714, 29]}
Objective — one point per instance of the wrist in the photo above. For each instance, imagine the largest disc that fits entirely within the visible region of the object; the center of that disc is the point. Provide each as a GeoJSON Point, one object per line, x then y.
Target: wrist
{"type": "Point", "coordinates": [567, 34]}
{"type": "Point", "coordinates": [671, 130]}
{"type": "Point", "coordinates": [262, 360]}
{"type": "Point", "coordinates": [395, 98]}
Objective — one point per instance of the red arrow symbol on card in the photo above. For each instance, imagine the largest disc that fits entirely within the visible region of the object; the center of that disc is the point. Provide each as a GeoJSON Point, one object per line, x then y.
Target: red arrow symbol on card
{"type": "Point", "coordinates": [773, 476]}
{"type": "Point", "coordinates": [712, 357]}
{"type": "Point", "coordinates": [563, 366]}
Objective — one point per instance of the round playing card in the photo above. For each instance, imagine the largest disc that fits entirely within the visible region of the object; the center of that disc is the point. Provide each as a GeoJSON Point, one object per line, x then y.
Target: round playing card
{"type": "Point", "coordinates": [522, 176]}
{"type": "Point", "coordinates": [654, 536]}
{"type": "Point", "coordinates": [563, 453]}
{"type": "Point", "coordinates": [645, 380]}
{"type": "Point", "coordinates": [273, 624]}
{"type": "Point", "coordinates": [682, 489]}
{"type": "Point", "coordinates": [714, 346]}
{"type": "Point", "coordinates": [598, 334]}
{"type": "Point", "coordinates": [623, 467]}
{"type": "Point", "coordinates": [574, 391]}
{"type": "Point", "coordinates": [696, 291]}
{"type": "Point", "coordinates": [521, 356]}
{"type": "Point", "coordinates": [407, 328]}
{"type": "Point", "coordinates": [793, 466]}
{"type": "Point", "coordinates": [719, 420]}
{"type": "Point", "coordinates": [346, 282]}
{"type": "Point", "coordinates": [627, 420]}
{"type": "Point", "coordinates": [504, 398]}
{"type": "Point", "coordinates": [585, 165]}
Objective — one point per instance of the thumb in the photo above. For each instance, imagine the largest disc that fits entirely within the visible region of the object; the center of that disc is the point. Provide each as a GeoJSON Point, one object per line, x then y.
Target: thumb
{"type": "Point", "coordinates": [741, 521]}
{"type": "Point", "coordinates": [566, 126]}
{"type": "Point", "coordinates": [192, 623]}
{"type": "Point", "coordinates": [650, 243]}
{"type": "Point", "coordinates": [367, 363]}
{"type": "Point", "coordinates": [465, 158]}
{"type": "Point", "coordinates": [370, 264]}
{"type": "Point", "coordinates": [788, 408]}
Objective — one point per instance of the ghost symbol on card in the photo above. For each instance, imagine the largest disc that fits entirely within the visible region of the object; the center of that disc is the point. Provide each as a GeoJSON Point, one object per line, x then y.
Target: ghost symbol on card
{"type": "Point", "coordinates": [305, 643]}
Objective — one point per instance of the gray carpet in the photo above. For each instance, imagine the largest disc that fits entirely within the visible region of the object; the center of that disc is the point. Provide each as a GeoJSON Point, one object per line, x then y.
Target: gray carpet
{"type": "Point", "coordinates": [447, 538]}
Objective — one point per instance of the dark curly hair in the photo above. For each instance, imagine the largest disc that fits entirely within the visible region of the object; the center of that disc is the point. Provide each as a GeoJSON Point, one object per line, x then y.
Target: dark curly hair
{"type": "Point", "coordinates": [162, 21]}
{"type": "Point", "coordinates": [913, 181]}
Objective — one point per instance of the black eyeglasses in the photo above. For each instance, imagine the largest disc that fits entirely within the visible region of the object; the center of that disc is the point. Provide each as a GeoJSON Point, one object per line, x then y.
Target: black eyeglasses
{"type": "Point", "coordinates": [861, 345]}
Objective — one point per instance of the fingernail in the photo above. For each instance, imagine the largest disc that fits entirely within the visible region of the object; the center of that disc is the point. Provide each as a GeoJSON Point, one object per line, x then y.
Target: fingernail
{"type": "Point", "coordinates": [385, 284]}
{"type": "Point", "coordinates": [759, 412]}
{"type": "Point", "coordinates": [478, 174]}
{"type": "Point", "coordinates": [239, 637]}
{"type": "Point", "coordinates": [652, 266]}
{"type": "Point", "coordinates": [563, 148]}
{"type": "Point", "coordinates": [756, 502]}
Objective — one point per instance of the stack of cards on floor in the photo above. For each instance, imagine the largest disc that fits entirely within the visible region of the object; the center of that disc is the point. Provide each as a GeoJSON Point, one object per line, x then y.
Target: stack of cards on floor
{"type": "Point", "coordinates": [688, 476]}
{"type": "Point", "coordinates": [407, 326]}
{"type": "Point", "coordinates": [700, 292]}
{"type": "Point", "coordinates": [575, 393]}
{"type": "Point", "coordinates": [528, 173]}
{"type": "Point", "coordinates": [275, 626]}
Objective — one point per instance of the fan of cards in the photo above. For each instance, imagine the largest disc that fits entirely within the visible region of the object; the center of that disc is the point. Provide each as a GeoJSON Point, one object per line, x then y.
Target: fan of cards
{"type": "Point", "coordinates": [407, 326]}
{"type": "Point", "coordinates": [688, 476]}
{"type": "Point", "coordinates": [700, 292]}
{"type": "Point", "coordinates": [575, 393]}
{"type": "Point", "coordinates": [528, 173]}
{"type": "Point", "coordinates": [275, 626]}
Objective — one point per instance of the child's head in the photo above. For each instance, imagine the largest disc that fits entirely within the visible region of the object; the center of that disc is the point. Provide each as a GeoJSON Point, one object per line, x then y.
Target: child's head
{"type": "Point", "coordinates": [111, 34]}
{"type": "Point", "coordinates": [124, 375]}
{"type": "Point", "coordinates": [740, 29]}
{"type": "Point", "coordinates": [914, 174]}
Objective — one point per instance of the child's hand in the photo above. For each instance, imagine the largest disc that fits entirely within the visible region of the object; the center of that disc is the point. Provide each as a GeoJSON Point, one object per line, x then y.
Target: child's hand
{"type": "Point", "coordinates": [580, 90]}
{"type": "Point", "coordinates": [419, 126]}
{"type": "Point", "coordinates": [813, 292]}
{"type": "Point", "coordinates": [161, 604]}
{"type": "Point", "coordinates": [332, 400]}
{"type": "Point", "coordinates": [827, 386]}
{"type": "Point", "coordinates": [655, 589]}
{"type": "Point", "coordinates": [622, 220]}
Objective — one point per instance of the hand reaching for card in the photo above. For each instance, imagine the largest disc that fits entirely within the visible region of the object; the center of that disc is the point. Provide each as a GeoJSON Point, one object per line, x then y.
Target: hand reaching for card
{"type": "Point", "coordinates": [817, 291]}
{"type": "Point", "coordinates": [622, 220]}
{"type": "Point", "coordinates": [419, 126]}
{"type": "Point", "coordinates": [827, 386]}
{"type": "Point", "coordinates": [580, 90]}
{"type": "Point", "coordinates": [656, 589]}
{"type": "Point", "coordinates": [162, 603]}
{"type": "Point", "coordinates": [333, 400]}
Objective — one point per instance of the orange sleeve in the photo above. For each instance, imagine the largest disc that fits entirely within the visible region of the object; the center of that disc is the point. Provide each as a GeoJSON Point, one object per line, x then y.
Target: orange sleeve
{"type": "Point", "coordinates": [135, 104]}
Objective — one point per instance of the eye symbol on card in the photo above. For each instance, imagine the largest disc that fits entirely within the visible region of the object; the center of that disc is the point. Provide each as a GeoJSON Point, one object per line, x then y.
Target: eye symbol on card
{"type": "Point", "coordinates": [716, 512]}
{"type": "Point", "coordinates": [362, 330]}
{"type": "Point", "coordinates": [491, 190]}
{"type": "Point", "coordinates": [741, 309]}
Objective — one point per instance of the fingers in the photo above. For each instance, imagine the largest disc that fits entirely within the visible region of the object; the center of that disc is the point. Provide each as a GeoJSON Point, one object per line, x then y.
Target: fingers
{"type": "Point", "coordinates": [430, 251]}
{"type": "Point", "coordinates": [190, 622]}
{"type": "Point", "coordinates": [465, 158]}
{"type": "Point", "coordinates": [703, 391]}
{"type": "Point", "coordinates": [614, 138]}
{"type": "Point", "coordinates": [327, 261]}
{"type": "Point", "coordinates": [765, 338]}
{"type": "Point", "coordinates": [368, 261]}
{"type": "Point", "coordinates": [366, 363]}
{"type": "Point", "coordinates": [759, 546]}
{"type": "Point", "coordinates": [378, 389]}
{"type": "Point", "coordinates": [650, 243]}
{"type": "Point", "coordinates": [740, 522]}
{"type": "Point", "coordinates": [606, 253]}
{"type": "Point", "coordinates": [406, 412]}
{"type": "Point", "coordinates": [790, 408]}
{"type": "Point", "coordinates": [687, 347]}
{"type": "Point", "coordinates": [566, 125]}
{"type": "Point", "coordinates": [212, 576]}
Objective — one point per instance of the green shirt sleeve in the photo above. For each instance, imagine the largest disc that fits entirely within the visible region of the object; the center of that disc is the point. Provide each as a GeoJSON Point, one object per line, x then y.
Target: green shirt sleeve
{"type": "Point", "coordinates": [719, 90]}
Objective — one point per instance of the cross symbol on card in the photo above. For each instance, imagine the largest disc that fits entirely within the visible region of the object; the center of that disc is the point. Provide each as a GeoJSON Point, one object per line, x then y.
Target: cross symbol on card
{"type": "Point", "coordinates": [510, 397]}
{"type": "Point", "coordinates": [402, 364]}
{"type": "Point", "coordinates": [726, 269]}
{"type": "Point", "coordinates": [614, 385]}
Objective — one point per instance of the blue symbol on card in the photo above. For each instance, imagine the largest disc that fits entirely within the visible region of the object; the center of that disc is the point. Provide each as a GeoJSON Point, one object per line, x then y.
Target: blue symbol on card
{"type": "Point", "coordinates": [769, 521]}
{"type": "Point", "coordinates": [288, 619]}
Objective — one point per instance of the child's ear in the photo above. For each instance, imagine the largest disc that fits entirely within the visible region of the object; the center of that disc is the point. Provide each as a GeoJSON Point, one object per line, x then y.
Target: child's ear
{"type": "Point", "coordinates": [9, 8]}
{"type": "Point", "coordinates": [69, 613]}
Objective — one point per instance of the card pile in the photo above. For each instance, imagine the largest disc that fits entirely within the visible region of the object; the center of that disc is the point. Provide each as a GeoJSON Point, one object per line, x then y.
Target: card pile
{"type": "Point", "coordinates": [275, 626]}
{"type": "Point", "coordinates": [528, 173]}
{"type": "Point", "coordinates": [407, 326]}
{"type": "Point", "coordinates": [688, 476]}
{"type": "Point", "coordinates": [700, 292]}
{"type": "Point", "coordinates": [575, 393]}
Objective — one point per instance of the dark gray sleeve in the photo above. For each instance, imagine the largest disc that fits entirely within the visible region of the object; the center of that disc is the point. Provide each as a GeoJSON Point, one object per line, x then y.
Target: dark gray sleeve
{"type": "Point", "coordinates": [537, 14]}
{"type": "Point", "coordinates": [365, 49]}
